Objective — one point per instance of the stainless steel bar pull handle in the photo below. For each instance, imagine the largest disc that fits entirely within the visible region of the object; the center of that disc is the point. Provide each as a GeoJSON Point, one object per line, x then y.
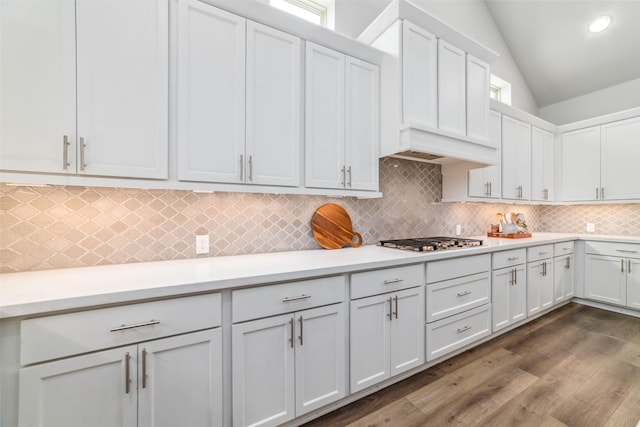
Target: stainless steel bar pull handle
{"type": "Point", "coordinates": [597, 193]}
{"type": "Point", "coordinates": [465, 293]}
{"type": "Point", "coordinates": [241, 167]}
{"type": "Point", "coordinates": [250, 168]}
{"type": "Point", "coordinates": [512, 281]}
{"type": "Point", "coordinates": [464, 329]}
{"type": "Point", "coordinates": [628, 266]}
{"type": "Point", "coordinates": [301, 330]}
{"type": "Point", "coordinates": [390, 309]}
{"type": "Point", "coordinates": [83, 164]}
{"type": "Point", "coordinates": [546, 194]}
{"type": "Point", "coordinates": [292, 332]}
{"type": "Point", "coordinates": [490, 189]}
{"type": "Point", "coordinates": [343, 171]}
{"type": "Point", "coordinates": [626, 251]}
{"type": "Point", "coordinates": [396, 300]}
{"type": "Point", "coordinates": [134, 325]}
{"type": "Point", "coordinates": [622, 265]}
{"type": "Point", "coordinates": [486, 188]}
{"type": "Point", "coordinates": [349, 172]}
{"type": "Point", "coordinates": [513, 258]}
{"type": "Point", "coordinates": [515, 276]}
{"type": "Point", "coordinates": [65, 152]}
{"type": "Point", "coordinates": [289, 299]}
{"type": "Point", "coordinates": [602, 193]}
{"type": "Point", "coordinates": [127, 373]}
{"type": "Point", "coordinates": [520, 191]}
{"type": "Point", "coordinates": [391, 281]}
{"type": "Point", "coordinates": [567, 264]}
{"type": "Point", "coordinates": [144, 368]}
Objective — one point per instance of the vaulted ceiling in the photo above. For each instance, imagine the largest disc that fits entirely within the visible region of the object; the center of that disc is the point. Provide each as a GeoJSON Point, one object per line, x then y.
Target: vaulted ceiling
{"type": "Point", "coordinates": [557, 55]}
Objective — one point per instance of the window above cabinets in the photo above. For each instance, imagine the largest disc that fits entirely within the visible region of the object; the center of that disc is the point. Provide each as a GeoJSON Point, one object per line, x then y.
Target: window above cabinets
{"type": "Point", "coordinates": [319, 12]}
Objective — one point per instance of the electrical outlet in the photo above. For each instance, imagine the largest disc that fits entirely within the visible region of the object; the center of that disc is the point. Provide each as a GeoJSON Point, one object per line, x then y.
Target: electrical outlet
{"type": "Point", "coordinates": [458, 229]}
{"type": "Point", "coordinates": [202, 244]}
{"type": "Point", "coordinates": [591, 228]}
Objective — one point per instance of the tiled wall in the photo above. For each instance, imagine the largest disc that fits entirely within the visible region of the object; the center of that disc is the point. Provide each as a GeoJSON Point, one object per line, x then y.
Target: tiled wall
{"type": "Point", "coordinates": [53, 227]}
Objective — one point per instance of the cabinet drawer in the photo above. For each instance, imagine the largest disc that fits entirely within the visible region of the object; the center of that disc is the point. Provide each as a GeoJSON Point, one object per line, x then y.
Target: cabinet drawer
{"type": "Point", "coordinates": [563, 248]}
{"type": "Point", "coordinates": [537, 253]}
{"type": "Point", "coordinates": [270, 300]}
{"type": "Point", "coordinates": [627, 250]}
{"type": "Point", "coordinates": [62, 335]}
{"type": "Point", "coordinates": [386, 280]}
{"type": "Point", "coordinates": [454, 296]}
{"type": "Point", "coordinates": [458, 267]}
{"type": "Point", "coordinates": [509, 258]}
{"type": "Point", "coordinates": [452, 333]}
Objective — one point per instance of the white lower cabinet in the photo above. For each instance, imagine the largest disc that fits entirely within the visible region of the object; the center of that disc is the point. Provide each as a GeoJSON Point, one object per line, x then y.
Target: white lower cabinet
{"type": "Point", "coordinates": [539, 278]}
{"type": "Point", "coordinates": [387, 336]}
{"type": "Point", "coordinates": [166, 382]}
{"type": "Point", "coordinates": [288, 364]}
{"type": "Point", "coordinates": [563, 287]}
{"type": "Point", "coordinates": [508, 288]}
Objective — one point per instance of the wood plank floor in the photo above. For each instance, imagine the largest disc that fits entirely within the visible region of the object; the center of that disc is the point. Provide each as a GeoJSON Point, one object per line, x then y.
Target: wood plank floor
{"type": "Point", "coordinates": [577, 366]}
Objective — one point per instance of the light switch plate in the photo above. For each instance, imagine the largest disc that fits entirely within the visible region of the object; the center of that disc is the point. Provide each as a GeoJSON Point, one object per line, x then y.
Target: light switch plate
{"type": "Point", "coordinates": [591, 227]}
{"type": "Point", "coordinates": [202, 244]}
{"type": "Point", "coordinates": [458, 229]}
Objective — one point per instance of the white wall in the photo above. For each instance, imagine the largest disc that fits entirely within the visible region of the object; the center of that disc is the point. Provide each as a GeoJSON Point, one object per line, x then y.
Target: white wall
{"type": "Point", "coordinates": [471, 17]}
{"type": "Point", "coordinates": [610, 100]}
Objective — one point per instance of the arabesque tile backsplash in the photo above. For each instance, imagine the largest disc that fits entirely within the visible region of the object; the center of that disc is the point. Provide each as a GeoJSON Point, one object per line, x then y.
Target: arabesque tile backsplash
{"type": "Point", "coordinates": [55, 227]}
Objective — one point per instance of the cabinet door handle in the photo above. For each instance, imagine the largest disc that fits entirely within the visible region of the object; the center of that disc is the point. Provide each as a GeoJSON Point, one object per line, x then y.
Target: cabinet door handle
{"type": "Point", "coordinates": [602, 193]}
{"type": "Point", "coordinates": [127, 373]}
{"type": "Point", "coordinates": [567, 264]}
{"type": "Point", "coordinates": [626, 251]}
{"type": "Point", "coordinates": [486, 188]}
{"type": "Point", "coordinates": [391, 281]}
{"type": "Point", "coordinates": [82, 148]}
{"type": "Point", "coordinates": [519, 188]}
{"type": "Point", "coordinates": [464, 329]}
{"type": "Point", "coordinates": [134, 325]}
{"type": "Point", "coordinates": [465, 293]}
{"type": "Point", "coordinates": [490, 188]}
{"type": "Point", "coordinates": [597, 193]}
{"type": "Point", "coordinates": [301, 330]}
{"type": "Point", "coordinates": [292, 332]}
{"type": "Point", "coordinates": [349, 172]}
{"type": "Point", "coordinates": [144, 368]}
{"type": "Point", "coordinates": [250, 168]}
{"type": "Point", "coordinates": [546, 194]}
{"type": "Point", "coordinates": [343, 171]}
{"type": "Point", "coordinates": [396, 301]}
{"type": "Point", "coordinates": [390, 309]}
{"type": "Point", "coordinates": [511, 282]}
{"type": "Point", "coordinates": [628, 266]}
{"type": "Point", "coordinates": [241, 167]}
{"type": "Point", "coordinates": [289, 299]}
{"type": "Point", "coordinates": [65, 152]}
{"type": "Point", "coordinates": [622, 265]}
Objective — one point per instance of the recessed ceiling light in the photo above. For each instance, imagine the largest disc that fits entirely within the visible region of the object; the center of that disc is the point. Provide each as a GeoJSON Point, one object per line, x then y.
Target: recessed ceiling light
{"type": "Point", "coordinates": [600, 24]}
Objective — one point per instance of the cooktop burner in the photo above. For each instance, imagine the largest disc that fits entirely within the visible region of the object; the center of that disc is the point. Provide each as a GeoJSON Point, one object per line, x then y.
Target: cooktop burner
{"type": "Point", "coordinates": [429, 244]}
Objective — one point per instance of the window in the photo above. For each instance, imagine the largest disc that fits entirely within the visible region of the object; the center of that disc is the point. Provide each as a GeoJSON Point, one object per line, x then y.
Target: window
{"type": "Point", "coordinates": [320, 12]}
{"type": "Point", "coordinates": [500, 90]}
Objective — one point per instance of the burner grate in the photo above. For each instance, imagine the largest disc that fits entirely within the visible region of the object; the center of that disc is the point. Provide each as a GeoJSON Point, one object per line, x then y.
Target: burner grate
{"type": "Point", "coordinates": [430, 244]}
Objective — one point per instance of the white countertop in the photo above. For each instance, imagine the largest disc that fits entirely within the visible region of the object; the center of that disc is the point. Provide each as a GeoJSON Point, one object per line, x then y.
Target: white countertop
{"type": "Point", "coordinates": [29, 293]}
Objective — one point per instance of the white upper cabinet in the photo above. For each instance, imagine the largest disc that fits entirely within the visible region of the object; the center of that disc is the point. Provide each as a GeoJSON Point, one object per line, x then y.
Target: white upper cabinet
{"type": "Point", "coordinates": [112, 86]}
{"type": "Point", "coordinates": [478, 76]}
{"type": "Point", "coordinates": [419, 76]}
{"type": "Point", "coordinates": [581, 164]}
{"type": "Point", "coordinates": [211, 93]}
{"type": "Point", "coordinates": [341, 132]}
{"type": "Point", "coordinates": [274, 104]}
{"type": "Point", "coordinates": [451, 89]}
{"type": "Point", "coordinates": [542, 153]}
{"type": "Point", "coordinates": [486, 182]}
{"type": "Point", "coordinates": [516, 159]}
{"type": "Point", "coordinates": [620, 160]}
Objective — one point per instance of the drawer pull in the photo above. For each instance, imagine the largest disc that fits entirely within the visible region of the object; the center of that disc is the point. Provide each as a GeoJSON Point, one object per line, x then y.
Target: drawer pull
{"type": "Point", "coordinates": [464, 329]}
{"type": "Point", "coordinates": [396, 280]}
{"type": "Point", "coordinates": [543, 253]}
{"type": "Point", "coordinates": [135, 325]}
{"type": "Point", "coordinates": [127, 373]}
{"type": "Point", "coordinates": [465, 293]}
{"type": "Point", "coordinates": [289, 299]}
{"type": "Point", "coordinates": [513, 258]}
{"type": "Point", "coordinates": [626, 251]}
{"type": "Point", "coordinates": [566, 249]}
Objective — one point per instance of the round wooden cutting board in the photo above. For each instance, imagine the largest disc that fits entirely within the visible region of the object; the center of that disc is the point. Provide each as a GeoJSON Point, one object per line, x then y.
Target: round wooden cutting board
{"type": "Point", "coordinates": [332, 229]}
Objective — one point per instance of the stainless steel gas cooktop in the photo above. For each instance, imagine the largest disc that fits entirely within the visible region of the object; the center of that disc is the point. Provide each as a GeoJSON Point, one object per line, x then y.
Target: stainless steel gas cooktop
{"type": "Point", "coordinates": [429, 244]}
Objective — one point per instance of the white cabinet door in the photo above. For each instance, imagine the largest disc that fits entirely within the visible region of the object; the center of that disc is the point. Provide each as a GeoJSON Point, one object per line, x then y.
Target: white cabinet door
{"type": "Point", "coordinates": [541, 164]}
{"type": "Point", "coordinates": [274, 103]}
{"type": "Point", "coordinates": [324, 118]}
{"type": "Point", "coordinates": [620, 153]}
{"type": "Point", "coordinates": [516, 159]}
{"type": "Point", "coordinates": [486, 182]}
{"type": "Point", "coordinates": [633, 283]}
{"type": "Point", "coordinates": [419, 76]}
{"type": "Point", "coordinates": [95, 384]}
{"type": "Point", "coordinates": [263, 371]}
{"type": "Point", "coordinates": [452, 114]}
{"type": "Point", "coordinates": [362, 139]}
{"type": "Point", "coordinates": [508, 296]}
{"type": "Point", "coordinates": [211, 93]}
{"type": "Point", "coordinates": [605, 279]}
{"type": "Point", "coordinates": [321, 357]}
{"type": "Point", "coordinates": [37, 83]}
{"type": "Point", "coordinates": [478, 75]}
{"type": "Point", "coordinates": [180, 381]}
{"type": "Point", "coordinates": [539, 286]}
{"type": "Point", "coordinates": [581, 164]}
{"type": "Point", "coordinates": [563, 278]}
{"type": "Point", "coordinates": [370, 340]}
{"type": "Point", "coordinates": [407, 335]}
{"type": "Point", "coordinates": [122, 83]}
